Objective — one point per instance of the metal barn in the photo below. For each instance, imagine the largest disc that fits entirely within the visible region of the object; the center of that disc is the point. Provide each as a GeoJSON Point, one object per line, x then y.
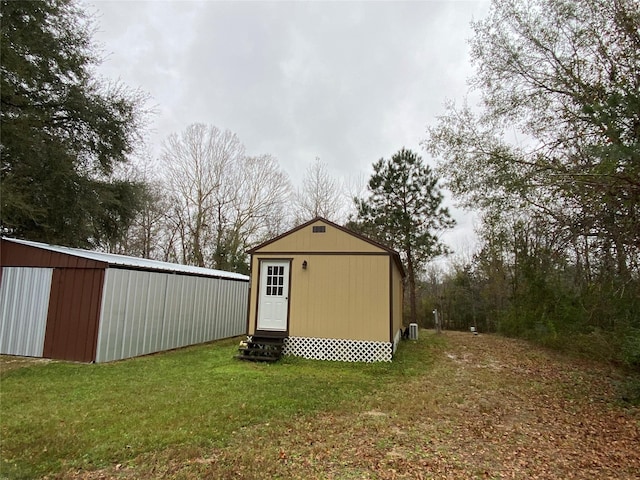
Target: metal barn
{"type": "Point", "coordinates": [71, 304]}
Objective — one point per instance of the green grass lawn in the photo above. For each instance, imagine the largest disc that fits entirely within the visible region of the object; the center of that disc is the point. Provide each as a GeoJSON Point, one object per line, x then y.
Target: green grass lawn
{"type": "Point", "coordinates": [59, 416]}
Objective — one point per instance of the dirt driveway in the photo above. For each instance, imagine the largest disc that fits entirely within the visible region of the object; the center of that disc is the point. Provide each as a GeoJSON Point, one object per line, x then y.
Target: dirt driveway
{"type": "Point", "coordinates": [485, 407]}
{"type": "Point", "coordinates": [489, 407]}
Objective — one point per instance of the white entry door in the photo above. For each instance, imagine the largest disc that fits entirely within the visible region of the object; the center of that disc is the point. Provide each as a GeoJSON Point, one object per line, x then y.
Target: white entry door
{"type": "Point", "coordinates": [273, 306]}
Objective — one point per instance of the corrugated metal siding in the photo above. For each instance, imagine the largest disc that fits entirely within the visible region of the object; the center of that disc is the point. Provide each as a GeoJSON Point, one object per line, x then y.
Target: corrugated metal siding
{"type": "Point", "coordinates": [74, 312]}
{"type": "Point", "coordinates": [24, 300]}
{"type": "Point", "coordinates": [146, 312]}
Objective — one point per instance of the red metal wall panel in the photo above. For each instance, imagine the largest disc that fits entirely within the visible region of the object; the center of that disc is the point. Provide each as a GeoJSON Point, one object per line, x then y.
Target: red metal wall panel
{"type": "Point", "coordinates": [16, 255]}
{"type": "Point", "coordinates": [74, 314]}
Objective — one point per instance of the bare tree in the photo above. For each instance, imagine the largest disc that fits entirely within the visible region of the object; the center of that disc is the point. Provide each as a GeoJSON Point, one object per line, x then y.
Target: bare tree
{"type": "Point", "coordinates": [198, 163]}
{"type": "Point", "coordinates": [321, 195]}
{"type": "Point", "coordinates": [222, 200]}
{"type": "Point", "coordinates": [352, 188]}
{"type": "Point", "coordinates": [263, 197]}
{"type": "Point", "coordinates": [258, 210]}
{"type": "Point", "coordinates": [146, 235]}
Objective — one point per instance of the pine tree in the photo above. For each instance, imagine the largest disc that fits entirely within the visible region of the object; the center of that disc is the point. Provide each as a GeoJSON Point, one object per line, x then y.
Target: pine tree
{"type": "Point", "coordinates": [404, 211]}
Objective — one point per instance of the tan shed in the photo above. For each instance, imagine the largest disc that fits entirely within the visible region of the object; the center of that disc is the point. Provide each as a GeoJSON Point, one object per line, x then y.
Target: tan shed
{"type": "Point", "coordinates": [330, 293]}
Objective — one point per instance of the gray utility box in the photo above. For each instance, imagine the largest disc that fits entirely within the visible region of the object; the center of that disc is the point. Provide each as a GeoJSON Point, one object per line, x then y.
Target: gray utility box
{"type": "Point", "coordinates": [413, 331]}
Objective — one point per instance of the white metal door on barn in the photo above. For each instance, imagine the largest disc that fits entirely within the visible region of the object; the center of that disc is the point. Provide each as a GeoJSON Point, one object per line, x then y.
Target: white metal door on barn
{"type": "Point", "coordinates": [273, 306]}
{"type": "Point", "coordinates": [24, 306]}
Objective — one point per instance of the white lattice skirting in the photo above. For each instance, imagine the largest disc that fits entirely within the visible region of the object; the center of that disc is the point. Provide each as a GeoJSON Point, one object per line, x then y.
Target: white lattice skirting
{"type": "Point", "coordinates": [338, 350]}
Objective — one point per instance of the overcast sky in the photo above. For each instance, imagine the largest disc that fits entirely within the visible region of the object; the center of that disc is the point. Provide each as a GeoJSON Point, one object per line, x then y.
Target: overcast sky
{"type": "Point", "coordinates": [349, 82]}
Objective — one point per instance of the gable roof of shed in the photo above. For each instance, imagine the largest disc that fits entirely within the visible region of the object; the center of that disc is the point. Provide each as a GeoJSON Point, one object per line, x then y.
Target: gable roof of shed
{"type": "Point", "coordinates": [124, 261]}
{"type": "Point", "coordinates": [390, 251]}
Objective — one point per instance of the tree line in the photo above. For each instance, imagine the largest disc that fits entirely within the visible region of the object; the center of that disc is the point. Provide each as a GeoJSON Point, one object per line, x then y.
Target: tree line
{"type": "Point", "coordinates": [551, 159]}
{"type": "Point", "coordinates": [207, 202]}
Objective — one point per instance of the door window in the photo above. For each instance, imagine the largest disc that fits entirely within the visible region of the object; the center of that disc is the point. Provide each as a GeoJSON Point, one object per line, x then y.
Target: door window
{"type": "Point", "coordinates": [275, 281]}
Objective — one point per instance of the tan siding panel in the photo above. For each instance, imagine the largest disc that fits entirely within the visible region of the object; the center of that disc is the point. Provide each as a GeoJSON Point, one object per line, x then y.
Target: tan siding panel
{"type": "Point", "coordinates": [332, 240]}
{"type": "Point", "coordinates": [253, 292]}
{"type": "Point", "coordinates": [343, 297]}
{"type": "Point", "coordinates": [398, 299]}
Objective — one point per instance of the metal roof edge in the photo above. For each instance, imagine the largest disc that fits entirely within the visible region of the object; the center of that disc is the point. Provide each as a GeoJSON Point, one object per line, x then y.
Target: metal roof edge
{"type": "Point", "coordinates": [120, 261]}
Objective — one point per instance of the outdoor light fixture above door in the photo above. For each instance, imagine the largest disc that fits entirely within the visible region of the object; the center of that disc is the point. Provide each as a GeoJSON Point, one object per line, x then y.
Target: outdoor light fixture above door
{"type": "Point", "coordinates": [304, 265]}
